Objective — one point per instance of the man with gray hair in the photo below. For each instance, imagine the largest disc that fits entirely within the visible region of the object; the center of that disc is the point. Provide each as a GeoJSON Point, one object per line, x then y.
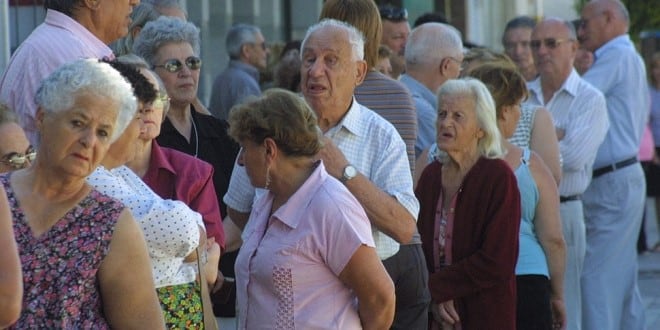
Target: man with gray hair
{"type": "Point", "coordinates": [361, 149]}
{"type": "Point", "coordinates": [614, 201]}
{"type": "Point", "coordinates": [248, 53]}
{"type": "Point", "coordinates": [434, 54]}
{"type": "Point", "coordinates": [580, 116]}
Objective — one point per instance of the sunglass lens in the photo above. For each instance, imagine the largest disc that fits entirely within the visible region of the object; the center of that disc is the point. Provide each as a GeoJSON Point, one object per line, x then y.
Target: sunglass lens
{"type": "Point", "coordinates": [172, 65]}
{"type": "Point", "coordinates": [193, 63]}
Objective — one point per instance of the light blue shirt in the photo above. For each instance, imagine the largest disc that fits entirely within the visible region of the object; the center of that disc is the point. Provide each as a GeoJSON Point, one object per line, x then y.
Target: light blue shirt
{"type": "Point", "coordinates": [618, 72]}
{"type": "Point", "coordinates": [233, 86]}
{"type": "Point", "coordinates": [377, 151]}
{"type": "Point", "coordinates": [426, 106]}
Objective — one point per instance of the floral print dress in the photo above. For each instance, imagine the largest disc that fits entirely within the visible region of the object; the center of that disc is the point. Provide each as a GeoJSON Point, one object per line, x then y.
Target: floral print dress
{"type": "Point", "coordinates": [60, 287]}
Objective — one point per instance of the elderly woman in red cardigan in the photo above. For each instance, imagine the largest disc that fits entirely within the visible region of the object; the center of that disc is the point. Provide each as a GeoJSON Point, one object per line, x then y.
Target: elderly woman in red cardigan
{"type": "Point", "coordinates": [470, 215]}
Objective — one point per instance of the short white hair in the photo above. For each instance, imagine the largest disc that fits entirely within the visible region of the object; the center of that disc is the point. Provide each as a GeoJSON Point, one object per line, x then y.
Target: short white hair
{"type": "Point", "coordinates": [355, 37]}
{"type": "Point", "coordinates": [431, 42]}
{"type": "Point", "coordinates": [490, 145]}
{"type": "Point", "coordinates": [59, 91]}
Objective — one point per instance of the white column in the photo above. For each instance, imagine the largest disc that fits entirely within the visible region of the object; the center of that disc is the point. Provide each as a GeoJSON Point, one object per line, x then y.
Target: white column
{"type": "Point", "coordinates": [5, 47]}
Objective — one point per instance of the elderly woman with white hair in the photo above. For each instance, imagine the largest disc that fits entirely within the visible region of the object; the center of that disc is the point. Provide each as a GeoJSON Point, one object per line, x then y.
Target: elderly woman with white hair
{"type": "Point", "coordinates": [84, 259]}
{"type": "Point", "coordinates": [470, 214]}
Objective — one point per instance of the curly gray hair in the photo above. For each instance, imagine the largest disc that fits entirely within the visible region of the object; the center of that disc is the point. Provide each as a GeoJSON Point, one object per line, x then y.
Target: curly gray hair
{"type": "Point", "coordinates": [162, 31]}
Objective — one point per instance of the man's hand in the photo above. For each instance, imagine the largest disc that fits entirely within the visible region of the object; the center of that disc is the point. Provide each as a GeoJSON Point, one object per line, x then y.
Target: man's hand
{"type": "Point", "coordinates": [333, 159]}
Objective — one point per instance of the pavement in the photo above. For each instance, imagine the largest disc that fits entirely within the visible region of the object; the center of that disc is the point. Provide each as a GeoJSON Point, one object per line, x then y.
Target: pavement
{"type": "Point", "coordinates": [649, 287]}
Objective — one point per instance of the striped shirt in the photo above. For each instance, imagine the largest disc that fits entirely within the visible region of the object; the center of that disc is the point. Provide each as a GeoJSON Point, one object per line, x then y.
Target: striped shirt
{"type": "Point", "coordinates": [579, 109]}
{"type": "Point", "coordinates": [371, 144]}
{"type": "Point", "coordinates": [390, 99]}
{"type": "Point", "coordinates": [58, 40]}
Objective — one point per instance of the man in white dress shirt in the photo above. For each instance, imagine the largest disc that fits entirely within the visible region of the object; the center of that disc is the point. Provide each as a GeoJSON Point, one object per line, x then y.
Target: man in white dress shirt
{"type": "Point", "coordinates": [580, 115]}
{"type": "Point", "coordinates": [366, 153]}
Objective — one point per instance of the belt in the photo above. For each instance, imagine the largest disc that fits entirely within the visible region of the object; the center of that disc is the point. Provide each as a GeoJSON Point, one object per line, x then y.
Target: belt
{"type": "Point", "coordinates": [563, 199]}
{"type": "Point", "coordinates": [610, 168]}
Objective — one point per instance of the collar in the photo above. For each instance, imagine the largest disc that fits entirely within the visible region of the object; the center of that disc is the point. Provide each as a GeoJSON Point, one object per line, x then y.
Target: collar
{"type": "Point", "coordinates": [292, 212]}
{"type": "Point", "coordinates": [62, 21]}
{"type": "Point", "coordinates": [620, 41]}
{"type": "Point", "coordinates": [351, 120]}
{"type": "Point", "coordinates": [570, 86]}
{"type": "Point", "coordinates": [247, 68]}
{"type": "Point", "coordinates": [158, 157]}
{"type": "Point", "coordinates": [417, 87]}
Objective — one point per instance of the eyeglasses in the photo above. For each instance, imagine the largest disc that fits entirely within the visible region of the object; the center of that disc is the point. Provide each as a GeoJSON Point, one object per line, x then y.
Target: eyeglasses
{"type": "Point", "coordinates": [585, 21]}
{"type": "Point", "coordinates": [263, 45]}
{"type": "Point", "coordinates": [391, 13]}
{"type": "Point", "coordinates": [461, 64]}
{"type": "Point", "coordinates": [17, 160]}
{"type": "Point", "coordinates": [550, 43]}
{"type": "Point", "coordinates": [174, 65]}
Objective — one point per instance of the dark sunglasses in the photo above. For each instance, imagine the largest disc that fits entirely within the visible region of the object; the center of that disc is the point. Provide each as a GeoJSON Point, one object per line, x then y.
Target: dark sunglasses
{"type": "Point", "coordinates": [550, 43]}
{"type": "Point", "coordinates": [174, 65]}
{"type": "Point", "coordinates": [17, 160]}
{"type": "Point", "coordinates": [391, 13]}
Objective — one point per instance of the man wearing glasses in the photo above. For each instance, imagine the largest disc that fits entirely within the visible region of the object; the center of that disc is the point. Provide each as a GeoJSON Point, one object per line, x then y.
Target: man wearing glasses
{"type": "Point", "coordinates": [614, 201]}
{"type": "Point", "coordinates": [434, 54]}
{"type": "Point", "coordinates": [580, 116]}
{"type": "Point", "coordinates": [248, 53]}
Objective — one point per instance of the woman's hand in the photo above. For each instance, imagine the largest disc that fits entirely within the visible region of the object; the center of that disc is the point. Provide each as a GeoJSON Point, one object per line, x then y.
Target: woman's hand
{"type": "Point", "coordinates": [445, 312]}
{"type": "Point", "coordinates": [558, 313]}
{"type": "Point", "coordinates": [213, 259]}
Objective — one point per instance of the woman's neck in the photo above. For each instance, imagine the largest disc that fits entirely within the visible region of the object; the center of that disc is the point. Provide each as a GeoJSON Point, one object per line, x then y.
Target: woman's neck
{"type": "Point", "coordinates": [289, 179]}
{"type": "Point", "coordinates": [461, 162]}
{"type": "Point", "coordinates": [181, 119]}
{"type": "Point", "coordinates": [140, 164]}
{"type": "Point", "coordinates": [51, 185]}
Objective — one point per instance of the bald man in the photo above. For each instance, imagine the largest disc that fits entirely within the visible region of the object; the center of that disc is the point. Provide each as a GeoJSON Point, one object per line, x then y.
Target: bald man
{"type": "Point", "coordinates": [614, 200]}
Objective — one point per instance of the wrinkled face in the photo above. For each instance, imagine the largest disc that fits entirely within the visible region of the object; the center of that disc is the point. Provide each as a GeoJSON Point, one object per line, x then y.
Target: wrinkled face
{"type": "Point", "coordinates": [253, 157]}
{"type": "Point", "coordinates": [457, 126]}
{"type": "Point", "coordinates": [516, 46]}
{"type": "Point", "coordinates": [15, 149]}
{"type": "Point", "coordinates": [181, 85]}
{"type": "Point", "coordinates": [258, 52]}
{"type": "Point", "coordinates": [384, 66]}
{"type": "Point", "coordinates": [592, 27]}
{"type": "Point", "coordinates": [113, 18]}
{"type": "Point", "coordinates": [152, 113]}
{"type": "Point", "coordinates": [395, 35]}
{"type": "Point", "coordinates": [329, 73]}
{"type": "Point", "coordinates": [74, 141]}
{"type": "Point", "coordinates": [553, 49]}
{"type": "Point", "coordinates": [125, 147]}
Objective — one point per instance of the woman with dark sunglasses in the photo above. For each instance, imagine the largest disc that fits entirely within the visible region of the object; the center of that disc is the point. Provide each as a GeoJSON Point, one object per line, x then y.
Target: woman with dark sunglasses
{"type": "Point", "coordinates": [16, 152]}
{"type": "Point", "coordinates": [171, 47]}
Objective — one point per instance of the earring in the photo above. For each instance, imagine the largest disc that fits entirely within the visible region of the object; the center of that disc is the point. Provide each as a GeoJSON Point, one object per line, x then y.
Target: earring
{"type": "Point", "coordinates": [267, 178]}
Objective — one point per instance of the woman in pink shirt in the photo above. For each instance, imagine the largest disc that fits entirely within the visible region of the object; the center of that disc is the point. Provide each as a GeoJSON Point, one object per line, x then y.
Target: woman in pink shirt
{"type": "Point", "coordinates": [308, 258]}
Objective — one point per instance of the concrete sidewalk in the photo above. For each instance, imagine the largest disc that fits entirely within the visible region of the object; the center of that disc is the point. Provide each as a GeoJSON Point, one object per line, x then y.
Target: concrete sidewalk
{"type": "Point", "coordinates": [649, 287]}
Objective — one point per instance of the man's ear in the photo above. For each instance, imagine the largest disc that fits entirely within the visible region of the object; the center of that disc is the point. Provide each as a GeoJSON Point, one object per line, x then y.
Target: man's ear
{"type": "Point", "coordinates": [245, 52]}
{"type": "Point", "coordinates": [361, 71]}
{"type": "Point", "coordinates": [39, 118]}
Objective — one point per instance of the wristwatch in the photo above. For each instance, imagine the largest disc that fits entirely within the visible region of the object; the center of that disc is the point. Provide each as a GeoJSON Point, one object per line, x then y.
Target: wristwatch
{"type": "Point", "coordinates": [349, 172]}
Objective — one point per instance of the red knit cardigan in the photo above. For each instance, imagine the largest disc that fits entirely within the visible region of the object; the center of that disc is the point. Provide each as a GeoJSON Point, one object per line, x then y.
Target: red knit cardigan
{"type": "Point", "coordinates": [481, 279]}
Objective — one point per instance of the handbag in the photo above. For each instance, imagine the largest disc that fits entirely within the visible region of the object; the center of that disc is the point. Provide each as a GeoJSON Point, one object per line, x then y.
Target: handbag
{"type": "Point", "coordinates": [210, 322]}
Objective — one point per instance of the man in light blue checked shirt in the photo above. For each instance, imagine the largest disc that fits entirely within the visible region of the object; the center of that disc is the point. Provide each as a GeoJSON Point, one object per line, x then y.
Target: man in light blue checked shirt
{"type": "Point", "coordinates": [367, 154]}
{"type": "Point", "coordinates": [614, 200]}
